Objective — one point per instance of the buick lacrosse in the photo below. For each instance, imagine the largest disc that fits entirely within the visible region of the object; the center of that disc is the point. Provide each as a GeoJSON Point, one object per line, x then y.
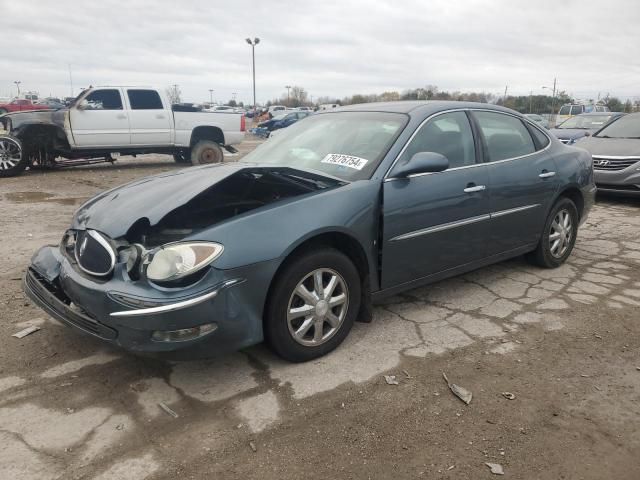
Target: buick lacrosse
{"type": "Point", "coordinates": [295, 242]}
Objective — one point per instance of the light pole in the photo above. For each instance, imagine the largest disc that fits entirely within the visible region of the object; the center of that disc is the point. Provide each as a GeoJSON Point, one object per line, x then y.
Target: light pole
{"type": "Point", "coordinates": [553, 99]}
{"type": "Point", "coordinates": [288, 87]}
{"type": "Point", "coordinates": [253, 44]}
{"type": "Point", "coordinates": [234, 96]}
{"type": "Point", "coordinates": [18, 82]}
{"type": "Point", "coordinates": [210, 97]}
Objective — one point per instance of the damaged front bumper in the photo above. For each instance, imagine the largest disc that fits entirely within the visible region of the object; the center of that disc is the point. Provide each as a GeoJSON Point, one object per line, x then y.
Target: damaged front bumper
{"type": "Point", "coordinates": [221, 313]}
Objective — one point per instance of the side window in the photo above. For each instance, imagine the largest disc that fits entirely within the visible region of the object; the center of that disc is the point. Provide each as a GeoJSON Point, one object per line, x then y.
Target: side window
{"type": "Point", "coordinates": [564, 110]}
{"type": "Point", "coordinates": [448, 134]}
{"type": "Point", "coordinates": [144, 100]}
{"type": "Point", "coordinates": [103, 100]}
{"type": "Point", "coordinates": [506, 136]}
{"type": "Point", "coordinates": [577, 109]}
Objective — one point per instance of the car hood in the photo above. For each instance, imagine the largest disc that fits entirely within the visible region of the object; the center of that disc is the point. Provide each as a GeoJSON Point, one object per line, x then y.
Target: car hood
{"type": "Point", "coordinates": [569, 133]}
{"type": "Point", "coordinates": [170, 206]}
{"type": "Point", "coordinates": [611, 146]}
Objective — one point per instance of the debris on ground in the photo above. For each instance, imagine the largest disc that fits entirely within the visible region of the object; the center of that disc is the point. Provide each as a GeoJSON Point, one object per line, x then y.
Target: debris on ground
{"type": "Point", "coordinates": [496, 468]}
{"type": "Point", "coordinates": [391, 380]}
{"type": "Point", "coordinates": [460, 392]}
{"type": "Point", "coordinates": [164, 407]}
{"type": "Point", "coordinates": [253, 447]}
{"type": "Point", "coordinates": [406, 374]}
{"type": "Point", "coordinates": [120, 426]}
{"type": "Point", "coordinates": [26, 331]}
{"type": "Point", "coordinates": [451, 467]}
{"type": "Point", "coordinates": [508, 395]}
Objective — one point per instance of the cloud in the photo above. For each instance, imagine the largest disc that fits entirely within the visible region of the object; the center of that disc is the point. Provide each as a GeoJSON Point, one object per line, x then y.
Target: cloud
{"type": "Point", "coordinates": [331, 48]}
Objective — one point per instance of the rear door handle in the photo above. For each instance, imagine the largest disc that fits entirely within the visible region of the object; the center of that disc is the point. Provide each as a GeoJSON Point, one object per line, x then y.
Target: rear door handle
{"type": "Point", "coordinates": [546, 174]}
{"type": "Point", "coordinates": [474, 188]}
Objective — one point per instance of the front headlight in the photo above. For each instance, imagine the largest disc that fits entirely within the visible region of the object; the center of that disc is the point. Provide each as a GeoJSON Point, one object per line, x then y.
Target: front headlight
{"type": "Point", "coordinates": [177, 260]}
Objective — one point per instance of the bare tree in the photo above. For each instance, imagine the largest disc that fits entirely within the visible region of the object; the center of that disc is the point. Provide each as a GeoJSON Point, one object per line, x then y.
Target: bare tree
{"type": "Point", "coordinates": [174, 94]}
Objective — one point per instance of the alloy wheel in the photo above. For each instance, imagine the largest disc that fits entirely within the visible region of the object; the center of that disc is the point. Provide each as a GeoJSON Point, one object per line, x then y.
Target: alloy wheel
{"type": "Point", "coordinates": [561, 233]}
{"type": "Point", "coordinates": [317, 307]}
{"type": "Point", "coordinates": [10, 154]}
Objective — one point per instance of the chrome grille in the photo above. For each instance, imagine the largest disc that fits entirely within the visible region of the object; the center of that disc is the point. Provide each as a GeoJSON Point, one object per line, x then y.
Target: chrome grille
{"type": "Point", "coordinates": [608, 163]}
{"type": "Point", "coordinates": [94, 254]}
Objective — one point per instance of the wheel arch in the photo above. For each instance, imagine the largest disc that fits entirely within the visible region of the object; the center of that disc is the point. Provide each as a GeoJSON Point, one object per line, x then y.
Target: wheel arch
{"type": "Point", "coordinates": [336, 239]}
{"type": "Point", "coordinates": [38, 135]}
{"type": "Point", "coordinates": [573, 193]}
{"type": "Point", "coordinates": [213, 134]}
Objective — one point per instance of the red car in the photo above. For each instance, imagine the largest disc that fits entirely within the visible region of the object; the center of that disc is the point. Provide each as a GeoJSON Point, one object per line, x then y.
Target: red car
{"type": "Point", "coordinates": [19, 105]}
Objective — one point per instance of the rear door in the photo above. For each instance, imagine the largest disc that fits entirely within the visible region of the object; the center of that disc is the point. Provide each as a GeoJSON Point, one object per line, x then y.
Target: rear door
{"type": "Point", "coordinates": [436, 221]}
{"type": "Point", "coordinates": [149, 119]}
{"type": "Point", "coordinates": [523, 179]}
{"type": "Point", "coordinates": [100, 120]}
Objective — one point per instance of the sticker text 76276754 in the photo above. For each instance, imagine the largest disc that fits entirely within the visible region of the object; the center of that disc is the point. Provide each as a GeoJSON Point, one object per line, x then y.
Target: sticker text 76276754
{"type": "Point", "coordinates": [350, 161]}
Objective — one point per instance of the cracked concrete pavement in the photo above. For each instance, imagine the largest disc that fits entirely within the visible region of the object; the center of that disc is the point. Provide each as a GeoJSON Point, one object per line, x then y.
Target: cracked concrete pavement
{"type": "Point", "coordinates": [71, 407]}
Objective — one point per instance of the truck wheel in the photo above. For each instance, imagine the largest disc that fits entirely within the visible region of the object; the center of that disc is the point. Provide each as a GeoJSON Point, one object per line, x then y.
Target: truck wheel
{"type": "Point", "coordinates": [12, 158]}
{"type": "Point", "coordinates": [206, 151]}
{"type": "Point", "coordinates": [183, 156]}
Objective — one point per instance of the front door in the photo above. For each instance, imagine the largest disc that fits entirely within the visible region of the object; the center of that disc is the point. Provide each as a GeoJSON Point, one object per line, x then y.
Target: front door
{"type": "Point", "coordinates": [100, 120]}
{"type": "Point", "coordinates": [436, 221]}
{"type": "Point", "coordinates": [523, 180]}
{"type": "Point", "coordinates": [149, 120]}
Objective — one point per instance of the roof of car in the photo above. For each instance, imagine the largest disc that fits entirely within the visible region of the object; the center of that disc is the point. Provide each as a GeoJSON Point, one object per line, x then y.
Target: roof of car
{"type": "Point", "coordinates": [598, 114]}
{"type": "Point", "coordinates": [409, 106]}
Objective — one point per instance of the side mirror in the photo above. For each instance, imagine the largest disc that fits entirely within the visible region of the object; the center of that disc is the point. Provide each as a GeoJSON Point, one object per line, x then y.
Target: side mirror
{"type": "Point", "coordinates": [83, 105]}
{"type": "Point", "coordinates": [422, 162]}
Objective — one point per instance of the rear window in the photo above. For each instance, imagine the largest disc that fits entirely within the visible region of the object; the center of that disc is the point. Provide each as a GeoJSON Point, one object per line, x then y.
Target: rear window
{"type": "Point", "coordinates": [144, 100]}
{"type": "Point", "coordinates": [564, 110]}
{"type": "Point", "coordinates": [577, 109]}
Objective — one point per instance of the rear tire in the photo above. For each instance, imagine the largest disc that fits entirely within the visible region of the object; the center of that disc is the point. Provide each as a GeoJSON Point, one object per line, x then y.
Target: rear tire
{"type": "Point", "coordinates": [303, 327]}
{"type": "Point", "coordinates": [205, 152]}
{"type": "Point", "coordinates": [13, 160]}
{"type": "Point", "coordinates": [558, 236]}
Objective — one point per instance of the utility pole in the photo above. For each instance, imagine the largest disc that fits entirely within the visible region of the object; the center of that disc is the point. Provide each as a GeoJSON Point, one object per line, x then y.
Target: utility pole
{"type": "Point", "coordinates": [253, 44]}
{"type": "Point", "coordinates": [18, 82]}
{"type": "Point", "coordinates": [70, 81]}
{"type": "Point", "coordinates": [530, 101]}
{"type": "Point", "coordinates": [234, 96]}
{"type": "Point", "coordinates": [210, 97]}
{"type": "Point", "coordinates": [288, 87]}
{"type": "Point", "coordinates": [504, 99]}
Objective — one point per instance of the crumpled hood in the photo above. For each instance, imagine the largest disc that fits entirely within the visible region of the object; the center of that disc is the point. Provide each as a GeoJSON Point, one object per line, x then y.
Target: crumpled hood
{"type": "Point", "coordinates": [45, 117]}
{"type": "Point", "coordinates": [191, 199]}
{"type": "Point", "coordinates": [627, 147]}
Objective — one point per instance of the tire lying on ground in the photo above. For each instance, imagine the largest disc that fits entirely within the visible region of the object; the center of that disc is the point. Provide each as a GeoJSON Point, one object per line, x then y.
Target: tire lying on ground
{"type": "Point", "coordinates": [205, 152]}
{"type": "Point", "coordinates": [12, 158]}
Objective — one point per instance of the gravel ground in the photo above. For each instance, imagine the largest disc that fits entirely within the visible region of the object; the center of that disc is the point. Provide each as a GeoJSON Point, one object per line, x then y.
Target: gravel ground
{"type": "Point", "coordinates": [564, 342]}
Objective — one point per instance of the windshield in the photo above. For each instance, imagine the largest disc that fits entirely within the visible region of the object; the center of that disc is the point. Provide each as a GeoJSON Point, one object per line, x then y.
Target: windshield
{"type": "Point", "coordinates": [346, 145]}
{"type": "Point", "coordinates": [624, 127]}
{"type": "Point", "coordinates": [585, 122]}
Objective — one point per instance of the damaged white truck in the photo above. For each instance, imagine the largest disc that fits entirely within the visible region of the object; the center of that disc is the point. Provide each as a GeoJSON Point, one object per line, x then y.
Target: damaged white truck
{"type": "Point", "coordinates": [103, 123]}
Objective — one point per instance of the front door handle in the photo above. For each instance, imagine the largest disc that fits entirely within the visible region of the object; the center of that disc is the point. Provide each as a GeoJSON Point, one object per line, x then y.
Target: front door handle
{"type": "Point", "coordinates": [474, 188]}
{"type": "Point", "coordinates": [546, 174]}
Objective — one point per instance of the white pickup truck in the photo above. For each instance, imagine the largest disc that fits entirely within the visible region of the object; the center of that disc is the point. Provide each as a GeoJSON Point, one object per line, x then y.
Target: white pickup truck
{"type": "Point", "coordinates": [103, 123]}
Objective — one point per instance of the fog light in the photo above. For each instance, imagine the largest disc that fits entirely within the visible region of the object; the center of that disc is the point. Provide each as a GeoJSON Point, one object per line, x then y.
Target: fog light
{"type": "Point", "coordinates": [184, 334]}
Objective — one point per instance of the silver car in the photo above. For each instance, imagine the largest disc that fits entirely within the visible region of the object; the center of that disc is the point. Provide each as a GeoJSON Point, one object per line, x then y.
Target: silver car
{"type": "Point", "coordinates": [616, 155]}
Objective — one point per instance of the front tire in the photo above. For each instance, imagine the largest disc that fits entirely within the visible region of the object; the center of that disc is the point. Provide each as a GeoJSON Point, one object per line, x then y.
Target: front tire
{"type": "Point", "coordinates": [13, 160]}
{"type": "Point", "coordinates": [312, 306]}
{"type": "Point", "coordinates": [205, 152]}
{"type": "Point", "coordinates": [558, 236]}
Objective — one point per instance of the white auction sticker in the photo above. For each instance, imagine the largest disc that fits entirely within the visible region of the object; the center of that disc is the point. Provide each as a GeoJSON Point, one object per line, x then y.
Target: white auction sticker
{"type": "Point", "coordinates": [350, 161]}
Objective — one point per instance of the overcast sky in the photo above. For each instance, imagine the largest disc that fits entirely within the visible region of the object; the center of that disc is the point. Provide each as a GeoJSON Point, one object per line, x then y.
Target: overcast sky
{"type": "Point", "coordinates": [331, 48]}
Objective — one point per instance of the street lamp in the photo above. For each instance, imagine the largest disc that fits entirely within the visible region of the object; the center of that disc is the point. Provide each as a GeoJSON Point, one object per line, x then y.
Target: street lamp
{"type": "Point", "coordinates": [18, 82]}
{"type": "Point", "coordinates": [288, 87]}
{"type": "Point", "coordinates": [234, 96]}
{"type": "Point", "coordinates": [253, 44]}
{"type": "Point", "coordinates": [210, 97]}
